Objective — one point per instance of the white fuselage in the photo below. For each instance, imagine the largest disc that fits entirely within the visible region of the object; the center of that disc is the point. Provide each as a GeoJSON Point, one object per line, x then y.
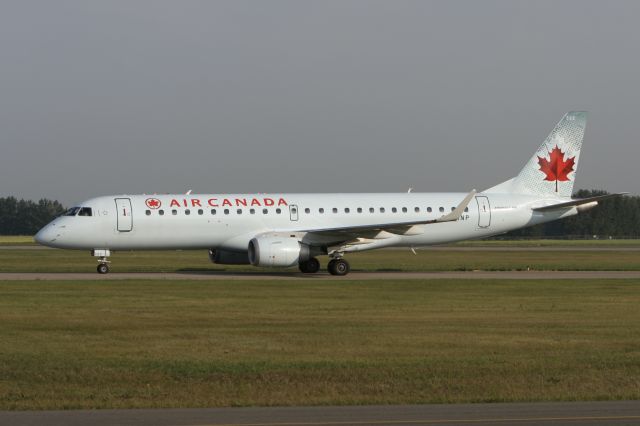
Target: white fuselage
{"type": "Point", "coordinates": [230, 221]}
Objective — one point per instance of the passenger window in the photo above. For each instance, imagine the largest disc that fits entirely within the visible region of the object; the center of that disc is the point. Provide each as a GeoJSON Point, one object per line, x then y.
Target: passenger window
{"type": "Point", "coordinates": [85, 211]}
{"type": "Point", "coordinates": [226, 211]}
{"type": "Point", "coordinates": [371, 210]}
{"type": "Point", "coordinates": [429, 210]}
{"type": "Point", "coordinates": [174, 212]}
{"type": "Point", "coordinates": [161, 212]}
{"type": "Point", "coordinates": [307, 210]}
{"type": "Point", "coordinates": [239, 211]}
{"type": "Point", "coordinates": [200, 211]}
{"type": "Point", "coordinates": [335, 210]}
{"type": "Point", "coordinates": [381, 209]}
{"type": "Point", "coordinates": [453, 208]}
{"type": "Point", "coordinates": [347, 210]}
{"type": "Point", "coordinates": [147, 212]}
{"type": "Point", "coordinates": [321, 210]}
{"type": "Point", "coordinates": [278, 211]}
{"type": "Point", "coordinates": [265, 211]}
{"type": "Point", "coordinates": [466, 209]}
{"type": "Point", "coordinates": [441, 209]}
{"type": "Point", "coordinates": [417, 209]}
{"type": "Point", "coordinates": [394, 210]}
{"type": "Point", "coordinates": [213, 211]}
{"type": "Point", "coordinates": [359, 209]}
{"type": "Point", "coordinates": [252, 211]}
{"type": "Point", "coordinates": [187, 212]}
{"type": "Point", "coordinates": [404, 210]}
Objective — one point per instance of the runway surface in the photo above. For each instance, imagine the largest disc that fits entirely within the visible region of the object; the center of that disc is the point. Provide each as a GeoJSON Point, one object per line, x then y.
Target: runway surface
{"type": "Point", "coordinates": [562, 413]}
{"type": "Point", "coordinates": [296, 276]}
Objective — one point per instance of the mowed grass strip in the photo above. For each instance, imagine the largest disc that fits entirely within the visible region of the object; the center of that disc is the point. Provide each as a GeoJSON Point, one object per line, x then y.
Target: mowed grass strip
{"type": "Point", "coordinates": [49, 260]}
{"type": "Point", "coordinates": [15, 240]}
{"type": "Point", "coordinates": [140, 344]}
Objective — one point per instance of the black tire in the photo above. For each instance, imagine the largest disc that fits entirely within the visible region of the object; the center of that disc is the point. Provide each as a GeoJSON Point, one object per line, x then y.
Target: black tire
{"type": "Point", "coordinates": [331, 266]}
{"type": "Point", "coordinates": [103, 268]}
{"type": "Point", "coordinates": [313, 265]}
{"type": "Point", "coordinates": [339, 267]}
{"type": "Point", "coordinates": [310, 266]}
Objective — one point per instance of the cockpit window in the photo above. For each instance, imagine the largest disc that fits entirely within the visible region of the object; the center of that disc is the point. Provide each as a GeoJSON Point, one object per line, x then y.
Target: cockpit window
{"type": "Point", "coordinates": [85, 211]}
{"type": "Point", "coordinates": [72, 211]}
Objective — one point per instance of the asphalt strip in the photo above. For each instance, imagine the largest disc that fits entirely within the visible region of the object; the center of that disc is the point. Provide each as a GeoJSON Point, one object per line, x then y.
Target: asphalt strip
{"type": "Point", "coordinates": [295, 276]}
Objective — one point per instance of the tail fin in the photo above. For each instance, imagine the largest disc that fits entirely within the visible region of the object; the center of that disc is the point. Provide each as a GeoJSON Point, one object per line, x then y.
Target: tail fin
{"type": "Point", "coordinates": [552, 169]}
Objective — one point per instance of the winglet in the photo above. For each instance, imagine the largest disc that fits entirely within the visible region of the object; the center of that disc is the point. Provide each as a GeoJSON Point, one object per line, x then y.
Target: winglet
{"type": "Point", "coordinates": [457, 212]}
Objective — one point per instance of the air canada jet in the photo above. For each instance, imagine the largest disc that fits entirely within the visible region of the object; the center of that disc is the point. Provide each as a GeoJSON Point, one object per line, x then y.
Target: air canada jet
{"type": "Point", "coordinates": [288, 230]}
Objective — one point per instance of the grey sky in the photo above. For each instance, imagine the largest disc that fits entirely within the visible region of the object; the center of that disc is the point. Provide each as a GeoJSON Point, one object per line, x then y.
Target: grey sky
{"type": "Point", "coordinates": [129, 96]}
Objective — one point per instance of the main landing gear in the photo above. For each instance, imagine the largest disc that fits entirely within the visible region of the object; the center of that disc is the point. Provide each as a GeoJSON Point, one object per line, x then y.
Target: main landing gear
{"type": "Point", "coordinates": [103, 263]}
{"type": "Point", "coordinates": [339, 267]}
{"type": "Point", "coordinates": [310, 266]}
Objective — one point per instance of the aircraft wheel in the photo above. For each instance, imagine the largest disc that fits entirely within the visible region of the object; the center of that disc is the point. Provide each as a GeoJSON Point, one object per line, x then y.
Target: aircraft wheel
{"type": "Point", "coordinates": [103, 268]}
{"type": "Point", "coordinates": [310, 266]}
{"type": "Point", "coordinates": [313, 265]}
{"type": "Point", "coordinates": [339, 267]}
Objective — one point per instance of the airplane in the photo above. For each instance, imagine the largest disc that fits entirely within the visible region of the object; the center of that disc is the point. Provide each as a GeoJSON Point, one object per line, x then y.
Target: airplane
{"type": "Point", "coordinates": [288, 230]}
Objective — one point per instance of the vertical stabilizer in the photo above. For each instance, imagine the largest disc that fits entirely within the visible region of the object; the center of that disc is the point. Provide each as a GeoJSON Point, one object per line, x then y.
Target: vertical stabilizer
{"type": "Point", "coordinates": [552, 169]}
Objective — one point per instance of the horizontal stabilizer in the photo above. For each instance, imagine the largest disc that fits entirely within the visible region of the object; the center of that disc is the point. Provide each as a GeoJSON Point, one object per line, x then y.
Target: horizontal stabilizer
{"type": "Point", "coordinates": [578, 202]}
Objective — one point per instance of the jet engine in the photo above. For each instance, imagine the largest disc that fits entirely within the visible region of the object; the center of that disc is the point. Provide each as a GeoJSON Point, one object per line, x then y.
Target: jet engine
{"type": "Point", "coordinates": [277, 251]}
{"type": "Point", "coordinates": [225, 257]}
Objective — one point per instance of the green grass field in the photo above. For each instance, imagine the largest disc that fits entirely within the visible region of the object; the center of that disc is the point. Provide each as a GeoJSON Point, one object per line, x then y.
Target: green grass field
{"type": "Point", "coordinates": [144, 343]}
{"type": "Point", "coordinates": [11, 240]}
{"type": "Point", "coordinates": [200, 344]}
{"type": "Point", "coordinates": [20, 260]}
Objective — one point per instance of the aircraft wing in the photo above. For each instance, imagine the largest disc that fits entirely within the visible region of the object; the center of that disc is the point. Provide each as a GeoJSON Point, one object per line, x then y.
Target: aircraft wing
{"type": "Point", "coordinates": [578, 202]}
{"type": "Point", "coordinates": [396, 227]}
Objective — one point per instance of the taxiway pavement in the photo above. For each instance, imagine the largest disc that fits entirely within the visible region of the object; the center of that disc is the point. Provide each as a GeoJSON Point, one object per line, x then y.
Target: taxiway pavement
{"type": "Point", "coordinates": [353, 276]}
{"type": "Point", "coordinates": [557, 413]}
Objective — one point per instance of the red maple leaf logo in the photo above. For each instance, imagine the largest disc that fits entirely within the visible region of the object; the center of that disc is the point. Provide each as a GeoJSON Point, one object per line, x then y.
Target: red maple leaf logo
{"type": "Point", "coordinates": [557, 168]}
{"type": "Point", "coordinates": [152, 203]}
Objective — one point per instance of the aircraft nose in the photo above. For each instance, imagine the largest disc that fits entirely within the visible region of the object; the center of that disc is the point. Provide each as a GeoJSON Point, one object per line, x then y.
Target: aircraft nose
{"type": "Point", "coordinates": [47, 235]}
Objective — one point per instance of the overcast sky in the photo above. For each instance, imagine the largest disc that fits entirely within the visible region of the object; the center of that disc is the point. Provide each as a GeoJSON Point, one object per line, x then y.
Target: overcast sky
{"type": "Point", "coordinates": [114, 97]}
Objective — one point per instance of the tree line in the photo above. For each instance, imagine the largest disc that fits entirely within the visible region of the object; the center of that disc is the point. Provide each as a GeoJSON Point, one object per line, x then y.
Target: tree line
{"type": "Point", "coordinates": [26, 217]}
{"type": "Point", "coordinates": [616, 218]}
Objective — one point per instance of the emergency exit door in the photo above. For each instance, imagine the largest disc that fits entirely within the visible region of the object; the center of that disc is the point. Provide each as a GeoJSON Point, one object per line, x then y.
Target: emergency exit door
{"type": "Point", "coordinates": [293, 212]}
{"type": "Point", "coordinates": [123, 213]}
{"type": "Point", "coordinates": [484, 211]}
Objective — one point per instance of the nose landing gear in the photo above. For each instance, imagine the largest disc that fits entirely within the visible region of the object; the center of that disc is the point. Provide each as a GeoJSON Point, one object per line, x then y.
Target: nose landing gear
{"type": "Point", "coordinates": [103, 263]}
{"type": "Point", "coordinates": [103, 268]}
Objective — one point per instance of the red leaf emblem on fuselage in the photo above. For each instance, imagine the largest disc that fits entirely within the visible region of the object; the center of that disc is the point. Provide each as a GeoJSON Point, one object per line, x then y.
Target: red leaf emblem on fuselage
{"type": "Point", "coordinates": [556, 168]}
{"type": "Point", "coordinates": [152, 203]}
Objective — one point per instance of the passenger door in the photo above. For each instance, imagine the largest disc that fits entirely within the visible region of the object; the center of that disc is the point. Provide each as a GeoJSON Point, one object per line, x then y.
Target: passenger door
{"type": "Point", "coordinates": [484, 211]}
{"type": "Point", "coordinates": [124, 215]}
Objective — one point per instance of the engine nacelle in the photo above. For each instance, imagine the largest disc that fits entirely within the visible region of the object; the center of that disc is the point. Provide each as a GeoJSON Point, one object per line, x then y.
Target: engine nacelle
{"type": "Point", "coordinates": [277, 251]}
{"type": "Point", "coordinates": [224, 257]}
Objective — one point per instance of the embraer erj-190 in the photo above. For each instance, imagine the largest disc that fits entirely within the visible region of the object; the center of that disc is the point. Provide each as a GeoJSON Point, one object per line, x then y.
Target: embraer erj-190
{"type": "Point", "coordinates": [287, 230]}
